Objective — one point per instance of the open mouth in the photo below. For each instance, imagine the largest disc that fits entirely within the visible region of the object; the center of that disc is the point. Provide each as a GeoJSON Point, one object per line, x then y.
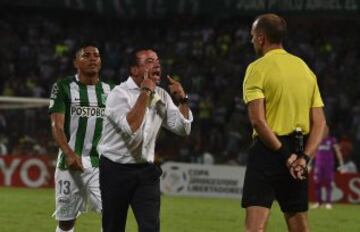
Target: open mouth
{"type": "Point", "coordinates": [156, 73]}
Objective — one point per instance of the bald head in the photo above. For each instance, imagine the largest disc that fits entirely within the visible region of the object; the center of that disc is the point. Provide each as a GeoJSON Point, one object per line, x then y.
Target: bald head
{"type": "Point", "coordinates": [272, 26]}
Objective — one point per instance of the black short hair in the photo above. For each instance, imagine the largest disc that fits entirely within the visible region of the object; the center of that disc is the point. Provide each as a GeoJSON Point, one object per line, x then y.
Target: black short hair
{"type": "Point", "coordinates": [84, 44]}
{"type": "Point", "coordinates": [133, 60]}
{"type": "Point", "coordinates": [273, 26]}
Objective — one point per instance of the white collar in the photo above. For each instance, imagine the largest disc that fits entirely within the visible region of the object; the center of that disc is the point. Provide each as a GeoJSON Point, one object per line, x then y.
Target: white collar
{"type": "Point", "coordinates": [130, 83]}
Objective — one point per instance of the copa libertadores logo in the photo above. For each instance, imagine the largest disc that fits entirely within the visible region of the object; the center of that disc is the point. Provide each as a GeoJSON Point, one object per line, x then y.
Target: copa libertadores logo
{"type": "Point", "coordinates": [174, 179]}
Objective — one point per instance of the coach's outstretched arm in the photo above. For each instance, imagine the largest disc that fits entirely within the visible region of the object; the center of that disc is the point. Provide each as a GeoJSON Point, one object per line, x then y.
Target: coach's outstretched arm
{"type": "Point", "coordinates": [57, 128]}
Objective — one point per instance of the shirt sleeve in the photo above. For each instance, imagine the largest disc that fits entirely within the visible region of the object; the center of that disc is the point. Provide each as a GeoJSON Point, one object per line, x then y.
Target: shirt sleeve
{"type": "Point", "coordinates": [117, 107]}
{"type": "Point", "coordinates": [174, 120]}
{"type": "Point", "coordinates": [57, 99]}
{"type": "Point", "coordinates": [253, 86]}
{"type": "Point", "coordinates": [316, 100]}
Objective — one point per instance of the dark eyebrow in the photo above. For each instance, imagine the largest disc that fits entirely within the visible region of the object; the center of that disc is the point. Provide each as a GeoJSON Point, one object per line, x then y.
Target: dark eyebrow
{"type": "Point", "coordinates": [87, 53]}
{"type": "Point", "coordinates": [151, 59]}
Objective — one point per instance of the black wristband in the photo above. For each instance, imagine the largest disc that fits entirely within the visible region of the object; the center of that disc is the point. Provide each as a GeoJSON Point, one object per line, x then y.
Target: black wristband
{"type": "Point", "coordinates": [305, 157]}
{"type": "Point", "coordinates": [284, 151]}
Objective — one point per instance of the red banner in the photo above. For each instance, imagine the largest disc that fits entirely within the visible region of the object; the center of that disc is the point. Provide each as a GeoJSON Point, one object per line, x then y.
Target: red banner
{"type": "Point", "coordinates": [345, 188]}
{"type": "Point", "coordinates": [22, 171]}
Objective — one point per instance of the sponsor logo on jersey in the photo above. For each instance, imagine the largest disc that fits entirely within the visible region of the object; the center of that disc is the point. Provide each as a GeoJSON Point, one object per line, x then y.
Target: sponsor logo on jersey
{"type": "Point", "coordinates": [88, 111]}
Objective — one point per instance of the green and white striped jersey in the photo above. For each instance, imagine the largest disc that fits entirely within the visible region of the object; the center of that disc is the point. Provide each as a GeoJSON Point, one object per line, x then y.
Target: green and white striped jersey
{"type": "Point", "coordinates": [84, 109]}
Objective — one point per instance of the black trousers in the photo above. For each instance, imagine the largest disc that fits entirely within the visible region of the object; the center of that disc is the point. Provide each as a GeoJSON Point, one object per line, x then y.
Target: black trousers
{"type": "Point", "coordinates": [135, 185]}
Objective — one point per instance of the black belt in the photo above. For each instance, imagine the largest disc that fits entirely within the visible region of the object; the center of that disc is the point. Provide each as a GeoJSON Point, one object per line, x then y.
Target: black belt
{"type": "Point", "coordinates": [129, 165]}
{"type": "Point", "coordinates": [137, 165]}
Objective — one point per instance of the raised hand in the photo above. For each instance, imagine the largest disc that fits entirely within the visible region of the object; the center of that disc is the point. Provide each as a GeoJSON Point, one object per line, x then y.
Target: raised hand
{"type": "Point", "coordinates": [147, 83]}
{"type": "Point", "coordinates": [176, 89]}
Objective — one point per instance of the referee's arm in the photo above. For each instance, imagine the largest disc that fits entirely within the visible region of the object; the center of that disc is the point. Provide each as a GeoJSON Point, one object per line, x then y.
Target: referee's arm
{"type": "Point", "coordinates": [256, 111]}
{"type": "Point", "coordinates": [317, 128]}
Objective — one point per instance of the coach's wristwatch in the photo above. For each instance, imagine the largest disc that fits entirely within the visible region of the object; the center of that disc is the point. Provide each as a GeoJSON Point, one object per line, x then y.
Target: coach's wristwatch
{"type": "Point", "coordinates": [184, 100]}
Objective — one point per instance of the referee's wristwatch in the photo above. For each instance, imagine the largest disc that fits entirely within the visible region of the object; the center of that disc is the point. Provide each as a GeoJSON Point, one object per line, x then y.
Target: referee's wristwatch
{"type": "Point", "coordinates": [184, 100]}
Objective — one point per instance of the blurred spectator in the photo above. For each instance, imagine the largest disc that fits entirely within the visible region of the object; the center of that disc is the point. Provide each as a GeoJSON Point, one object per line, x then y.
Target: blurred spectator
{"type": "Point", "coordinates": [348, 166]}
{"type": "Point", "coordinates": [3, 147]}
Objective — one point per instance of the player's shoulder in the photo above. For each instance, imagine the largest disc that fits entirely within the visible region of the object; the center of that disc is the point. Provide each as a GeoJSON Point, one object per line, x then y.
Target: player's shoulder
{"type": "Point", "coordinates": [61, 85]}
{"type": "Point", "coordinates": [108, 84]}
{"type": "Point", "coordinates": [65, 81]}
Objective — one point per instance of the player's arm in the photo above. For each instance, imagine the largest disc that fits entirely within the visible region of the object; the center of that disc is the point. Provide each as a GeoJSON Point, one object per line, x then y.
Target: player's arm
{"type": "Point", "coordinates": [57, 128]}
{"type": "Point", "coordinates": [318, 124]}
{"type": "Point", "coordinates": [339, 156]}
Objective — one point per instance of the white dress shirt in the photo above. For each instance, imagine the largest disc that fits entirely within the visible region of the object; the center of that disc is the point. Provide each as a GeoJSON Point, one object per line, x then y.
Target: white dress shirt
{"type": "Point", "coordinates": [118, 143]}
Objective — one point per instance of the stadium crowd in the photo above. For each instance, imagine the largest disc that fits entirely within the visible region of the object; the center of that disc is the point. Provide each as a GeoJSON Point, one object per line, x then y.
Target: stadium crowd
{"type": "Point", "coordinates": [208, 56]}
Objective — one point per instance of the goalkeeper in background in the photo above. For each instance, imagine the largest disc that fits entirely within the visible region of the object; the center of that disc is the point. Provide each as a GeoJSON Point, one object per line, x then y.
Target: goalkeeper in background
{"type": "Point", "coordinates": [76, 109]}
{"type": "Point", "coordinates": [324, 173]}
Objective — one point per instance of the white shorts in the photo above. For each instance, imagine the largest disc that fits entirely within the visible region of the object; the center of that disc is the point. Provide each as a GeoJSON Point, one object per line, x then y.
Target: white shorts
{"type": "Point", "coordinates": [73, 190]}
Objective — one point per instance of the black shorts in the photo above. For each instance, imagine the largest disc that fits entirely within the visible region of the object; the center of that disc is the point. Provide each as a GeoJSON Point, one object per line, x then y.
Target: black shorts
{"type": "Point", "coordinates": [267, 179]}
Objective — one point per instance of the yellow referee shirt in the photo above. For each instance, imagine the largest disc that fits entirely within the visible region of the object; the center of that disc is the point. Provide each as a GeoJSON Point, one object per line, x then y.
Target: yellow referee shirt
{"type": "Point", "coordinates": [289, 88]}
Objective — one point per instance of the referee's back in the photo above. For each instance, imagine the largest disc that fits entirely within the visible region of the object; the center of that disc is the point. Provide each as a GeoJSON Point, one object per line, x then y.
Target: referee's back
{"type": "Point", "coordinates": [289, 88]}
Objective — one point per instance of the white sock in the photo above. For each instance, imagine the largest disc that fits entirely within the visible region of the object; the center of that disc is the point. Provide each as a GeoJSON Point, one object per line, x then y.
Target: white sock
{"type": "Point", "coordinates": [60, 230]}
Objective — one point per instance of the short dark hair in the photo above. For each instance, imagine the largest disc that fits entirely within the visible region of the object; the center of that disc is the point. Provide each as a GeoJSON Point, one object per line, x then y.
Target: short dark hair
{"type": "Point", "coordinates": [273, 26]}
{"type": "Point", "coordinates": [133, 59]}
{"type": "Point", "coordinates": [84, 44]}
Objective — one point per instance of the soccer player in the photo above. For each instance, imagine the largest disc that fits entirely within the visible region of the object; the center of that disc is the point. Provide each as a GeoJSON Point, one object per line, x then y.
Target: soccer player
{"type": "Point", "coordinates": [77, 105]}
{"type": "Point", "coordinates": [324, 168]}
{"type": "Point", "coordinates": [281, 94]}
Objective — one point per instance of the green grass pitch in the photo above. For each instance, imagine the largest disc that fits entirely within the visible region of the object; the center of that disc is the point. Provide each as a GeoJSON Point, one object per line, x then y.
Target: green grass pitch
{"type": "Point", "coordinates": [30, 210]}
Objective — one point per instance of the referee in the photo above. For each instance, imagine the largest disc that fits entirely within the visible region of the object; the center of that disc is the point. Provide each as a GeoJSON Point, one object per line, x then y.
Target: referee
{"type": "Point", "coordinates": [284, 107]}
{"type": "Point", "coordinates": [135, 111]}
